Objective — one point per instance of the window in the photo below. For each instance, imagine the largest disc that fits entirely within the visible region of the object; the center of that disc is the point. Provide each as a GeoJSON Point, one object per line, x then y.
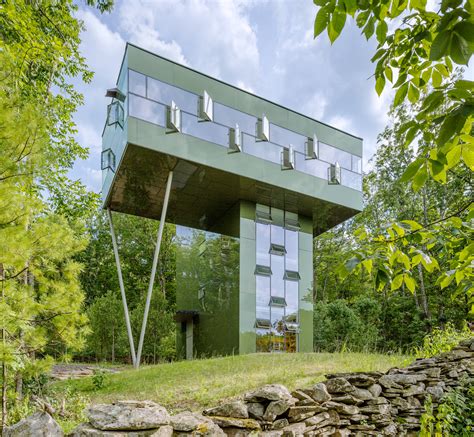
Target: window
{"type": "Point", "coordinates": [214, 133]}
{"type": "Point", "coordinates": [356, 164]}
{"type": "Point", "coordinates": [291, 246]}
{"type": "Point", "coordinates": [206, 108]}
{"type": "Point", "coordinates": [277, 301]}
{"type": "Point", "coordinates": [173, 118]}
{"type": "Point", "coordinates": [137, 83]}
{"type": "Point", "coordinates": [283, 137]}
{"type": "Point", "coordinates": [108, 160]}
{"type": "Point", "coordinates": [334, 174]}
{"type": "Point", "coordinates": [263, 270]}
{"type": "Point", "coordinates": [263, 129]}
{"type": "Point", "coordinates": [312, 148]}
{"type": "Point", "coordinates": [166, 93]}
{"type": "Point", "coordinates": [263, 296]}
{"type": "Point", "coordinates": [262, 241]}
{"type": "Point", "coordinates": [263, 217]}
{"type": "Point", "coordinates": [291, 275]}
{"type": "Point", "coordinates": [263, 324]}
{"type": "Point", "coordinates": [235, 139]}
{"type": "Point", "coordinates": [115, 114]}
{"type": "Point", "coordinates": [292, 224]}
{"type": "Point", "coordinates": [292, 327]}
{"type": "Point", "coordinates": [230, 117]}
{"type": "Point", "coordinates": [147, 110]}
{"type": "Point", "coordinates": [277, 249]}
{"type": "Point", "coordinates": [278, 270]}
{"type": "Point", "coordinates": [287, 158]}
{"type": "Point", "coordinates": [331, 154]}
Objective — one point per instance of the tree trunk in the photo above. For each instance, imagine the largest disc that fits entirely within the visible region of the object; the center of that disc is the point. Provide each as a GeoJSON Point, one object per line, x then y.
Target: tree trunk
{"type": "Point", "coordinates": [19, 386]}
{"type": "Point", "coordinates": [423, 297]}
{"type": "Point", "coordinates": [113, 344]}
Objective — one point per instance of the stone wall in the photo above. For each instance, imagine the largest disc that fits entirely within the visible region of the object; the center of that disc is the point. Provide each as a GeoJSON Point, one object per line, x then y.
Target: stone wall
{"type": "Point", "coordinates": [352, 404]}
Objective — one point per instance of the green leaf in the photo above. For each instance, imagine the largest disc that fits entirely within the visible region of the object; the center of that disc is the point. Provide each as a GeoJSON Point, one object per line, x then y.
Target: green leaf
{"type": "Point", "coordinates": [468, 155]}
{"type": "Point", "coordinates": [459, 275]}
{"type": "Point", "coordinates": [381, 32]}
{"type": "Point", "coordinates": [379, 84]}
{"type": "Point", "coordinates": [437, 78]}
{"type": "Point", "coordinates": [352, 263]}
{"type": "Point", "coordinates": [320, 2]}
{"type": "Point", "coordinates": [397, 282]}
{"type": "Point", "coordinates": [336, 25]}
{"type": "Point", "coordinates": [413, 93]}
{"type": "Point", "coordinates": [410, 283]}
{"type": "Point", "coordinates": [420, 178]}
{"type": "Point", "coordinates": [465, 29]}
{"type": "Point", "coordinates": [452, 123]}
{"type": "Point", "coordinates": [446, 280]}
{"type": "Point", "coordinates": [321, 21]}
{"type": "Point", "coordinates": [400, 94]}
{"type": "Point", "coordinates": [411, 170]}
{"type": "Point", "coordinates": [368, 30]}
{"type": "Point", "coordinates": [368, 263]}
{"type": "Point", "coordinates": [414, 226]}
{"type": "Point", "coordinates": [388, 73]}
{"type": "Point", "coordinates": [440, 46]}
{"type": "Point", "coordinates": [459, 50]}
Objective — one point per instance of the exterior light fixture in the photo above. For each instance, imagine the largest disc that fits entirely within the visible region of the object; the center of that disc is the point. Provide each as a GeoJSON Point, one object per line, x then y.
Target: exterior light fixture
{"type": "Point", "coordinates": [334, 174]}
{"type": "Point", "coordinates": [312, 148]}
{"type": "Point", "coordinates": [173, 118]}
{"type": "Point", "coordinates": [205, 107]}
{"type": "Point", "coordinates": [235, 139]}
{"type": "Point", "coordinates": [115, 93]}
{"type": "Point", "coordinates": [263, 129]}
{"type": "Point", "coordinates": [288, 158]}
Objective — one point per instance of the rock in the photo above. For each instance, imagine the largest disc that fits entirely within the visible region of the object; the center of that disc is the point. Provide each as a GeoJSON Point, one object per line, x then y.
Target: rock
{"type": "Point", "coordinates": [320, 393]}
{"type": "Point", "coordinates": [414, 390]}
{"type": "Point", "coordinates": [436, 392]}
{"type": "Point", "coordinates": [127, 415]}
{"type": "Point", "coordinates": [399, 380]}
{"type": "Point", "coordinates": [319, 420]}
{"type": "Point", "coordinates": [293, 430]}
{"type": "Point", "coordinates": [433, 372]}
{"type": "Point", "coordinates": [87, 430]}
{"type": "Point", "coordinates": [229, 409]}
{"type": "Point", "coordinates": [39, 424]}
{"type": "Point", "coordinates": [271, 392]}
{"type": "Point", "coordinates": [232, 422]}
{"type": "Point", "coordinates": [361, 393]}
{"type": "Point", "coordinates": [453, 374]}
{"type": "Point", "coordinates": [342, 432]}
{"type": "Point", "coordinates": [339, 385]}
{"type": "Point", "coordinates": [164, 431]}
{"type": "Point", "coordinates": [342, 408]}
{"type": "Point", "coordinates": [296, 414]}
{"type": "Point", "coordinates": [375, 389]}
{"type": "Point", "coordinates": [280, 424]}
{"type": "Point", "coordinates": [376, 409]}
{"type": "Point", "coordinates": [188, 421]}
{"type": "Point", "coordinates": [256, 410]}
{"type": "Point", "coordinates": [347, 399]}
{"type": "Point", "coordinates": [359, 379]}
{"type": "Point", "coordinates": [275, 409]}
{"type": "Point", "coordinates": [390, 430]}
{"type": "Point", "coordinates": [457, 354]}
{"type": "Point", "coordinates": [301, 395]}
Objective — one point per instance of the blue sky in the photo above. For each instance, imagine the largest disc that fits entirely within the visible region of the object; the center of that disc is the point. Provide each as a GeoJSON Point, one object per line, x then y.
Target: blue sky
{"type": "Point", "coordinates": [264, 46]}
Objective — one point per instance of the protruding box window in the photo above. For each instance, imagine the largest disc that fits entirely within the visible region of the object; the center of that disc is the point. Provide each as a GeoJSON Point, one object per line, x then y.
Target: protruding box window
{"type": "Point", "coordinates": [173, 118]}
{"type": "Point", "coordinates": [108, 160]}
{"type": "Point", "coordinates": [205, 107]}
{"type": "Point", "coordinates": [277, 249]}
{"type": "Point", "coordinates": [334, 174]}
{"type": "Point", "coordinates": [263, 324]}
{"type": "Point", "coordinates": [115, 114]}
{"type": "Point", "coordinates": [312, 148]}
{"type": "Point", "coordinates": [288, 158]}
{"type": "Point", "coordinates": [291, 275]}
{"type": "Point", "coordinates": [235, 139]}
{"type": "Point", "coordinates": [263, 270]}
{"type": "Point", "coordinates": [263, 129]}
{"type": "Point", "coordinates": [277, 301]}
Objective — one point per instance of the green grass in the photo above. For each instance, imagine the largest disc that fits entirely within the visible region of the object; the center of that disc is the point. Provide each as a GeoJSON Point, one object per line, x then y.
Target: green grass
{"type": "Point", "coordinates": [199, 384]}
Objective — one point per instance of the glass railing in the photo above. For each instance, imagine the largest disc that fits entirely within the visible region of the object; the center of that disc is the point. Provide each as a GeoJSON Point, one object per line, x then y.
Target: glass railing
{"type": "Point", "coordinates": [149, 98]}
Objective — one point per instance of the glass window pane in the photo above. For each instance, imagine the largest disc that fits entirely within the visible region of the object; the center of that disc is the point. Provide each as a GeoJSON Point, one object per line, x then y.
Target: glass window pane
{"type": "Point", "coordinates": [263, 297]}
{"type": "Point", "coordinates": [351, 179]}
{"type": "Point", "coordinates": [262, 149]}
{"type": "Point", "coordinates": [278, 271]}
{"type": "Point", "coordinates": [332, 155]}
{"type": "Point", "coordinates": [278, 235]}
{"type": "Point", "coordinates": [147, 110]}
{"type": "Point", "coordinates": [356, 164]}
{"type": "Point", "coordinates": [230, 117]}
{"type": "Point", "coordinates": [208, 131]}
{"type": "Point", "coordinates": [262, 237]}
{"type": "Point", "coordinates": [137, 83]}
{"type": "Point", "coordinates": [277, 315]}
{"type": "Point", "coordinates": [313, 167]}
{"type": "Point", "coordinates": [291, 295]}
{"type": "Point", "coordinates": [291, 246]}
{"type": "Point", "coordinates": [284, 137]}
{"type": "Point", "coordinates": [165, 93]}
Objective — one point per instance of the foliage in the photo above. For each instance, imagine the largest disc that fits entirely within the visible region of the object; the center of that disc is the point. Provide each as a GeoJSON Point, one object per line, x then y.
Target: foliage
{"type": "Point", "coordinates": [442, 340]}
{"type": "Point", "coordinates": [99, 379]}
{"type": "Point", "coordinates": [454, 415]}
{"type": "Point", "coordinates": [418, 55]}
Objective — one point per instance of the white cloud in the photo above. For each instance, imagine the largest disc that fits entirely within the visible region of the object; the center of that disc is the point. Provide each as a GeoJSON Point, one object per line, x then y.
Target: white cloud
{"type": "Point", "coordinates": [315, 107]}
{"type": "Point", "coordinates": [341, 123]}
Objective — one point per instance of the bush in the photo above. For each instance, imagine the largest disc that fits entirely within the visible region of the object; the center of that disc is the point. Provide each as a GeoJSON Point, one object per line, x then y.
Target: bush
{"type": "Point", "coordinates": [442, 340]}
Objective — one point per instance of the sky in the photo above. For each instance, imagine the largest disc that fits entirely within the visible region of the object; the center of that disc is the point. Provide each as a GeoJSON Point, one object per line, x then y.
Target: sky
{"type": "Point", "coordinates": [263, 46]}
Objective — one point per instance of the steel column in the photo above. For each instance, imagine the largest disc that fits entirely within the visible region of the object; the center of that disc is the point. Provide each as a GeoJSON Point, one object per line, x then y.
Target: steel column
{"type": "Point", "coordinates": [122, 289]}
{"type": "Point", "coordinates": [153, 269]}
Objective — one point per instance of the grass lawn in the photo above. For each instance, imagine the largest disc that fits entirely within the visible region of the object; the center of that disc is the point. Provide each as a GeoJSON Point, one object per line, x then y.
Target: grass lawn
{"type": "Point", "coordinates": [198, 384]}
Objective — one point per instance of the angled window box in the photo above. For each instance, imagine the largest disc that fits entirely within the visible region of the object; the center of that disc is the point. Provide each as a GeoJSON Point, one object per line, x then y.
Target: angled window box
{"type": "Point", "coordinates": [263, 324]}
{"type": "Point", "coordinates": [277, 301]}
{"type": "Point", "coordinates": [263, 270]}
{"type": "Point", "coordinates": [277, 249]}
{"type": "Point", "coordinates": [291, 275]}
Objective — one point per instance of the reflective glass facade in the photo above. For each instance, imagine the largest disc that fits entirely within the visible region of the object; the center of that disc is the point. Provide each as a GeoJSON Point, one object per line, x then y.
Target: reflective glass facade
{"type": "Point", "coordinates": [148, 99]}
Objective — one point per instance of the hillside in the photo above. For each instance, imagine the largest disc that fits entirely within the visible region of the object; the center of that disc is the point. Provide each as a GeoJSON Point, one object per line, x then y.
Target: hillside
{"type": "Point", "coordinates": [200, 383]}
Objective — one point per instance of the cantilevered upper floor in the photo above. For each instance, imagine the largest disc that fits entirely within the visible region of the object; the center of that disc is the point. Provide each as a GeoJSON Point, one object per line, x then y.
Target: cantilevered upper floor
{"type": "Point", "coordinates": [224, 145]}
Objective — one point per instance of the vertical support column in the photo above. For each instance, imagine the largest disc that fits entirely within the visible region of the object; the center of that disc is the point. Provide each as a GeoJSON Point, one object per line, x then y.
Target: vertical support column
{"type": "Point", "coordinates": [189, 339]}
{"type": "Point", "coordinates": [153, 268]}
{"type": "Point", "coordinates": [122, 288]}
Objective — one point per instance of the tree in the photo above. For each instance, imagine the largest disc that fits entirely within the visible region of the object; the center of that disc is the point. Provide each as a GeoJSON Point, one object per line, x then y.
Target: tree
{"type": "Point", "coordinates": [418, 58]}
{"type": "Point", "coordinates": [41, 299]}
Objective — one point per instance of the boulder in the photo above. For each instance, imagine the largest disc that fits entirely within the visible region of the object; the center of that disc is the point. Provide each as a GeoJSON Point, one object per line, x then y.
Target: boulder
{"type": "Point", "coordinates": [296, 414]}
{"type": "Point", "coordinates": [435, 392]}
{"type": "Point", "coordinates": [280, 424]}
{"type": "Point", "coordinates": [127, 415]}
{"type": "Point", "coordinates": [293, 430]}
{"type": "Point", "coordinates": [375, 390]}
{"type": "Point", "coordinates": [359, 379]}
{"type": "Point", "coordinates": [196, 423]}
{"type": "Point", "coordinates": [414, 390]}
{"type": "Point", "coordinates": [319, 393]}
{"type": "Point", "coordinates": [270, 392]}
{"type": "Point", "coordinates": [232, 422]}
{"type": "Point", "coordinates": [39, 424]}
{"type": "Point", "coordinates": [87, 430]}
{"type": "Point", "coordinates": [229, 409]}
{"type": "Point", "coordinates": [342, 408]}
{"type": "Point", "coordinates": [361, 393]}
